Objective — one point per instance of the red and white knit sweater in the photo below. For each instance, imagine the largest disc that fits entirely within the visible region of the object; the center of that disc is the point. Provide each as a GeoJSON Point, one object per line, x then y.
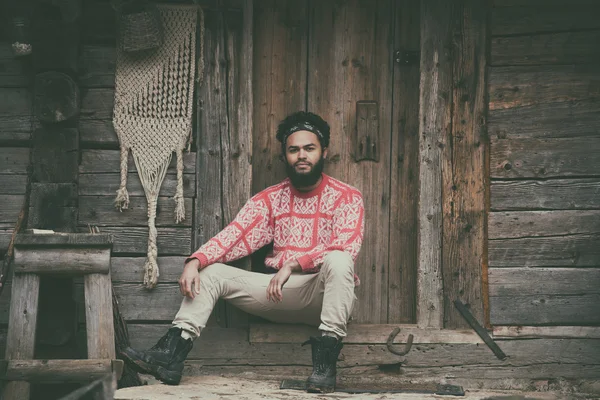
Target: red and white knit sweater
{"type": "Point", "coordinates": [301, 225]}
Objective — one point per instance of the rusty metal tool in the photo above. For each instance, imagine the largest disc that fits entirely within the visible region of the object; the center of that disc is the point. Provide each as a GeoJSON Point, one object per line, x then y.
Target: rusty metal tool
{"type": "Point", "coordinates": [480, 330]}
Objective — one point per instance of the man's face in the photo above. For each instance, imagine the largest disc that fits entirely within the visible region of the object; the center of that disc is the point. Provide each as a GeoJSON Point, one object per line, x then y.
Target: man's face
{"type": "Point", "coordinates": [304, 158]}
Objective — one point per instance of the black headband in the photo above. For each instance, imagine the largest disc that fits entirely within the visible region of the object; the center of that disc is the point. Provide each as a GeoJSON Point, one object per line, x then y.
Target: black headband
{"type": "Point", "coordinates": [302, 126]}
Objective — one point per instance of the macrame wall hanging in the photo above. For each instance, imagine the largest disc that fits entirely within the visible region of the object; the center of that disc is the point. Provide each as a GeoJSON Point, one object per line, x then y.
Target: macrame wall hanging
{"type": "Point", "coordinates": [153, 113]}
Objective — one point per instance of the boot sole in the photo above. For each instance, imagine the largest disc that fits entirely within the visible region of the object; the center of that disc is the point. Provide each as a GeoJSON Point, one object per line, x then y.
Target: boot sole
{"type": "Point", "coordinates": [315, 388]}
{"type": "Point", "coordinates": [159, 372]}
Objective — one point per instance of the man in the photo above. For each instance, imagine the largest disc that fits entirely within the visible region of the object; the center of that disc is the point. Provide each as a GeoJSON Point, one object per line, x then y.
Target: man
{"type": "Point", "coordinates": [316, 225]}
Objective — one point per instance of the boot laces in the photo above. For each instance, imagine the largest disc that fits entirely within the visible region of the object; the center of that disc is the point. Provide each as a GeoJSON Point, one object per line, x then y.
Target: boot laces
{"type": "Point", "coordinates": [164, 341]}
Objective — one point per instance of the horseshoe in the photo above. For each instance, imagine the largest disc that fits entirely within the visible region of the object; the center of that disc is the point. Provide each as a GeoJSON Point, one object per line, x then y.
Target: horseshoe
{"type": "Point", "coordinates": [407, 346]}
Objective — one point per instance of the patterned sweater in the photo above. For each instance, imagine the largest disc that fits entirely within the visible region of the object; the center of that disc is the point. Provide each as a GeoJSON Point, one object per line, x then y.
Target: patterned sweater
{"type": "Point", "coordinates": [301, 225]}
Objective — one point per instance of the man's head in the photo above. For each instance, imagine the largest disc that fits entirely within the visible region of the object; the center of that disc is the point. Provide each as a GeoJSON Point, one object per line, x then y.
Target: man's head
{"type": "Point", "coordinates": [304, 140]}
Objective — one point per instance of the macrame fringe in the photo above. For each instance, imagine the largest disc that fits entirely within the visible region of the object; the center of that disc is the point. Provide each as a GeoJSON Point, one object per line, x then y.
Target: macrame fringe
{"type": "Point", "coordinates": [151, 273]}
{"type": "Point", "coordinates": [180, 206]}
{"type": "Point", "coordinates": [122, 199]}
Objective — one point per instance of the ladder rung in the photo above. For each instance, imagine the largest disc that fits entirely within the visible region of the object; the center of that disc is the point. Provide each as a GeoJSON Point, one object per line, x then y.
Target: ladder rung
{"type": "Point", "coordinates": [54, 371]}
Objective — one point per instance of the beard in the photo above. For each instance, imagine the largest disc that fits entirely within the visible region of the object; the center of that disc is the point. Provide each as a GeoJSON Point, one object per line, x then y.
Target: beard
{"type": "Point", "coordinates": [305, 179]}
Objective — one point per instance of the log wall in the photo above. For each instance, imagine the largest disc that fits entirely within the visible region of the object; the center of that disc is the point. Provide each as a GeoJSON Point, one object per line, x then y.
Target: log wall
{"type": "Point", "coordinates": [544, 119]}
{"type": "Point", "coordinates": [544, 219]}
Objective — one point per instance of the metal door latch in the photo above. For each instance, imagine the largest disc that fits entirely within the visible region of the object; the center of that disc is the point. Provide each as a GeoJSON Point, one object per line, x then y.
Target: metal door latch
{"type": "Point", "coordinates": [407, 57]}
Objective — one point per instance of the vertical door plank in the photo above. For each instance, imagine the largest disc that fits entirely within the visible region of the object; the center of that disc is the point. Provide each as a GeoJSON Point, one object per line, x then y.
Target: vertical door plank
{"type": "Point", "coordinates": [404, 170]}
{"type": "Point", "coordinates": [20, 340]}
{"type": "Point", "coordinates": [99, 316]}
{"type": "Point", "coordinates": [237, 139]}
{"type": "Point", "coordinates": [280, 69]}
{"type": "Point", "coordinates": [435, 104]}
{"type": "Point", "coordinates": [464, 176]}
{"type": "Point", "coordinates": [212, 125]}
{"type": "Point", "coordinates": [350, 60]}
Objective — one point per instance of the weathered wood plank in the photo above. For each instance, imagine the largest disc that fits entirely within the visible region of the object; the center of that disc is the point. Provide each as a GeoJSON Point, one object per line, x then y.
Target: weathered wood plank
{"type": "Point", "coordinates": [556, 251]}
{"type": "Point", "coordinates": [527, 86]}
{"type": "Point", "coordinates": [99, 316]}
{"type": "Point", "coordinates": [108, 184]}
{"type": "Point", "coordinates": [522, 352]}
{"type": "Point", "coordinates": [16, 113]}
{"type": "Point", "coordinates": [545, 158]}
{"type": "Point", "coordinates": [531, 3]}
{"type": "Point", "coordinates": [481, 377]}
{"type": "Point", "coordinates": [280, 86]}
{"type": "Point", "coordinates": [13, 70]}
{"type": "Point", "coordinates": [402, 273]}
{"type": "Point", "coordinates": [350, 60]}
{"type": "Point", "coordinates": [96, 104]}
{"type": "Point", "coordinates": [10, 206]}
{"type": "Point", "coordinates": [515, 224]}
{"type": "Point", "coordinates": [5, 235]}
{"type": "Point", "coordinates": [507, 282]}
{"type": "Point", "coordinates": [550, 194]}
{"type": "Point", "coordinates": [98, 133]}
{"type": "Point", "coordinates": [434, 124]}
{"type": "Point", "coordinates": [464, 174]}
{"type": "Point", "coordinates": [562, 119]}
{"type": "Point", "coordinates": [62, 240]}
{"type": "Point", "coordinates": [107, 161]}
{"type": "Point", "coordinates": [20, 339]}
{"type": "Point", "coordinates": [12, 184]}
{"type": "Point", "coordinates": [133, 240]}
{"type": "Point", "coordinates": [211, 125]}
{"type": "Point", "coordinates": [551, 48]}
{"type": "Point", "coordinates": [101, 211]}
{"type": "Point", "coordinates": [137, 303]}
{"type": "Point", "coordinates": [98, 63]}
{"type": "Point", "coordinates": [55, 371]}
{"type": "Point", "coordinates": [545, 310]}
{"type": "Point", "coordinates": [361, 334]}
{"type": "Point", "coordinates": [100, 22]}
{"type": "Point", "coordinates": [236, 141]}
{"type": "Point", "coordinates": [55, 154]}
{"type": "Point", "coordinates": [543, 18]}
{"type": "Point", "coordinates": [131, 269]}
{"type": "Point", "coordinates": [211, 120]}
{"type": "Point", "coordinates": [62, 260]}
{"type": "Point", "coordinates": [535, 332]}
{"type": "Point", "coordinates": [14, 160]}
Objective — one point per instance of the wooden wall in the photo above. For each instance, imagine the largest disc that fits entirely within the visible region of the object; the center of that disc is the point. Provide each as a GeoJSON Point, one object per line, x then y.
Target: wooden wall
{"type": "Point", "coordinates": [16, 127]}
{"type": "Point", "coordinates": [544, 125]}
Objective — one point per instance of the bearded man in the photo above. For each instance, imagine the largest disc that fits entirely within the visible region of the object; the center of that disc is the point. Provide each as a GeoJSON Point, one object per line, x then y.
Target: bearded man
{"type": "Point", "coordinates": [315, 224]}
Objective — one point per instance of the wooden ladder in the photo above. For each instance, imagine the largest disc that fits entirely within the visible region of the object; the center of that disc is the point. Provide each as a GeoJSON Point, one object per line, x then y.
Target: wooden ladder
{"type": "Point", "coordinates": [67, 254]}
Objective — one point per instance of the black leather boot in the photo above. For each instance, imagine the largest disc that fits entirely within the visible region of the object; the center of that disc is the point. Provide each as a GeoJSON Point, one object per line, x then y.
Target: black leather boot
{"type": "Point", "coordinates": [325, 352]}
{"type": "Point", "coordinates": [164, 360]}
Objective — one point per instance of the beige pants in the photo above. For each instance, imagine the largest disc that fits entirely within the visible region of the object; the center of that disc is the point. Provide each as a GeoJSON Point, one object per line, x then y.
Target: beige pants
{"type": "Point", "coordinates": [324, 299]}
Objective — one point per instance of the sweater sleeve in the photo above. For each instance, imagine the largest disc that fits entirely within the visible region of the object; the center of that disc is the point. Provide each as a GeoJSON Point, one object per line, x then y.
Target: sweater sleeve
{"type": "Point", "coordinates": [348, 229]}
{"type": "Point", "coordinates": [249, 231]}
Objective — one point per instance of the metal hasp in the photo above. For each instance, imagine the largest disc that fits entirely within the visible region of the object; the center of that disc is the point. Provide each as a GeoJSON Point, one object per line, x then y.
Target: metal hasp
{"type": "Point", "coordinates": [366, 142]}
{"type": "Point", "coordinates": [464, 311]}
{"type": "Point", "coordinates": [407, 57]}
{"type": "Point", "coordinates": [407, 346]}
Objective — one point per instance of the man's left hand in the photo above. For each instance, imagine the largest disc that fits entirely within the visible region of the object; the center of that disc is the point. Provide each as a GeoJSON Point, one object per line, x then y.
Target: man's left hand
{"type": "Point", "coordinates": [274, 292]}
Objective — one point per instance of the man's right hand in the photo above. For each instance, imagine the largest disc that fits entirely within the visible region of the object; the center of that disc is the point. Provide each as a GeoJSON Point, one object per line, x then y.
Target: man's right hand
{"type": "Point", "coordinates": [189, 282]}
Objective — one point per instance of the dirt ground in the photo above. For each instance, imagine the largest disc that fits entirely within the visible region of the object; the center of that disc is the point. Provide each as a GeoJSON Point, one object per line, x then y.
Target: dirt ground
{"type": "Point", "coordinates": [220, 387]}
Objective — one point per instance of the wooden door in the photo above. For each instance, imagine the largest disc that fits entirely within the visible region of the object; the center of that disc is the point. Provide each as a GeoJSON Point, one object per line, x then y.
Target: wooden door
{"type": "Point", "coordinates": [326, 57]}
